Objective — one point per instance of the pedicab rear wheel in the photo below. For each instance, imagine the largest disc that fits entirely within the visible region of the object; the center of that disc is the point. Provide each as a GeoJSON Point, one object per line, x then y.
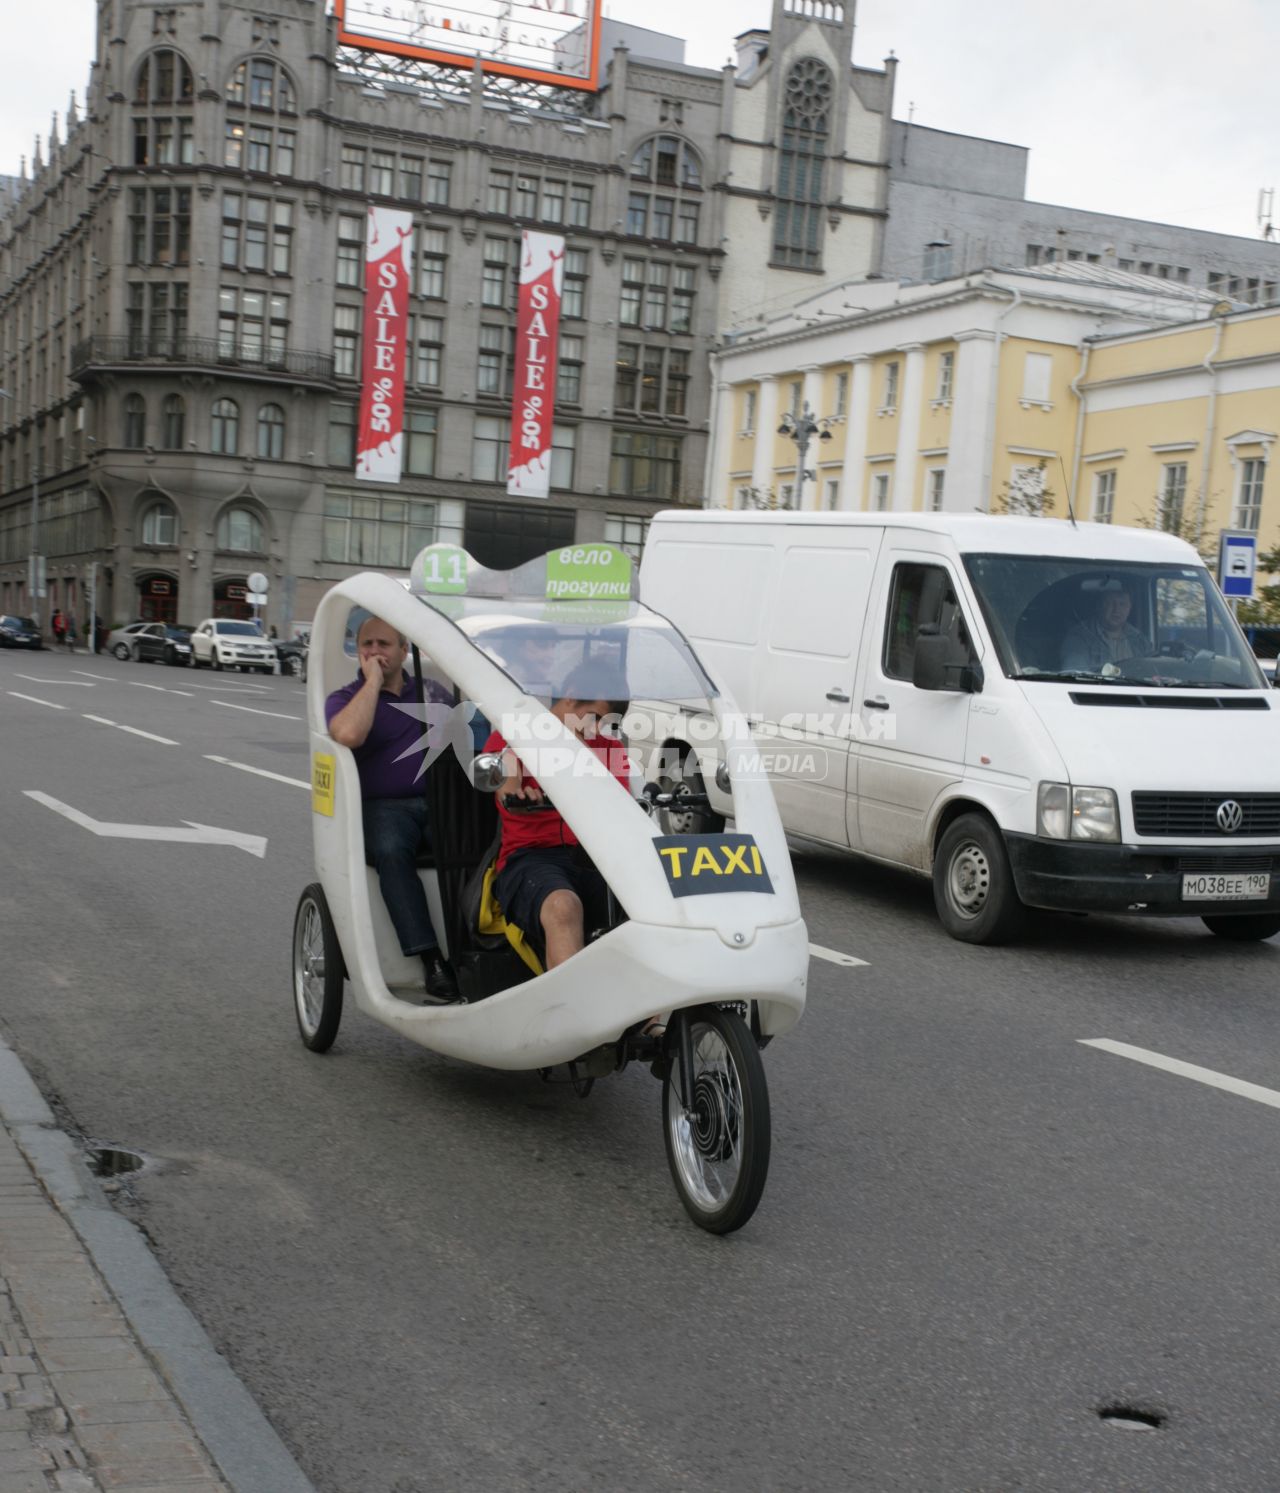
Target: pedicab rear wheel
{"type": "Point", "coordinates": [318, 971]}
{"type": "Point", "coordinates": [718, 1142]}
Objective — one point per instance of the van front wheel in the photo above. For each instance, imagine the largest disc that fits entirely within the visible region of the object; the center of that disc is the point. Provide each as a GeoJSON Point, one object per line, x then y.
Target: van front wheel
{"type": "Point", "coordinates": [973, 886]}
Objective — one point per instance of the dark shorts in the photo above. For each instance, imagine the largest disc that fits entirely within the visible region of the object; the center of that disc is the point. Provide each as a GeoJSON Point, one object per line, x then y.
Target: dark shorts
{"type": "Point", "coordinates": [529, 878]}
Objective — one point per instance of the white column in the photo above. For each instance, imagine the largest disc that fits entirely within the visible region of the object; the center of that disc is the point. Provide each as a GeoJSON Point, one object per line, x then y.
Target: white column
{"type": "Point", "coordinates": [717, 494]}
{"type": "Point", "coordinates": [811, 395]}
{"type": "Point", "coordinates": [904, 465]}
{"type": "Point", "coordinates": [967, 458]}
{"type": "Point", "coordinates": [854, 477]}
{"type": "Point", "coordinates": [766, 427]}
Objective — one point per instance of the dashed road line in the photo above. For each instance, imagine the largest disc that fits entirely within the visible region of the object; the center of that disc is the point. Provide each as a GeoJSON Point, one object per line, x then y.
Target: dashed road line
{"type": "Point", "coordinates": [833, 956]}
{"type": "Point", "coordinates": [261, 772]}
{"type": "Point", "coordinates": [38, 679]}
{"type": "Point", "coordinates": [110, 678]}
{"type": "Point", "coordinates": [163, 688]}
{"type": "Point", "coordinates": [18, 695]}
{"type": "Point", "coordinates": [228, 689]}
{"type": "Point", "coordinates": [132, 730]}
{"type": "Point", "coordinates": [251, 711]}
{"type": "Point", "coordinates": [1207, 1076]}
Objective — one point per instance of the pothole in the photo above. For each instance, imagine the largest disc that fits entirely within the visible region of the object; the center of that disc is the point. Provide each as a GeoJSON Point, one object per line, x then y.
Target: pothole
{"type": "Point", "coordinates": [1131, 1417]}
{"type": "Point", "coordinates": [113, 1161]}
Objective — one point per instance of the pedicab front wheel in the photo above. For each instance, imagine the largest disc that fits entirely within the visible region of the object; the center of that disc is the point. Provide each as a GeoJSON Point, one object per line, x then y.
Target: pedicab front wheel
{"type": "Point", "coordinates": [716, 1118]}
{"type": "Point", "coordinates": [318, 971]}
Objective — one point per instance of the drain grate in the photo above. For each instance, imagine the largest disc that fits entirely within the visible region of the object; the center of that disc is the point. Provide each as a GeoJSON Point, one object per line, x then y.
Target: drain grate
{"type": "Point", "coordinates": [1132, 1417]}
{"type": "Point", "coordinates": [113, 1161]}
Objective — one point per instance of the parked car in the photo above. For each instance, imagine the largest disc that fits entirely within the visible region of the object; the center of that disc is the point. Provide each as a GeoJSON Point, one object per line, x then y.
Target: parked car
{"type": "Point", "coordinates": [224, 643]}
{"type": "Point", "coordinates": [120, 639]}
{"type": "Point", "coordinates": [19, 632]}
{"type": "Point", "coordinates": [159, 642]}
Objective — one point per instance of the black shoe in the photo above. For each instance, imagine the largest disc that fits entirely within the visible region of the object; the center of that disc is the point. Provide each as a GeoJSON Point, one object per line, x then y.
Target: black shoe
{"type": "Point", "coordinates": [442, 986]}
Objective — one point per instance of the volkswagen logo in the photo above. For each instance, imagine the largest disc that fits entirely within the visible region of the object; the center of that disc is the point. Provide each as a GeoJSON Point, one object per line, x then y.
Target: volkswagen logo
{"type": "Point", "coordinates": [1230, 816]}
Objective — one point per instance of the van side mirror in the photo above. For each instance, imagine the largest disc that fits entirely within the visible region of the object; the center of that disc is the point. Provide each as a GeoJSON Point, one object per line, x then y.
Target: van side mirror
{"type": "Point", "coordinates": [934, 668]}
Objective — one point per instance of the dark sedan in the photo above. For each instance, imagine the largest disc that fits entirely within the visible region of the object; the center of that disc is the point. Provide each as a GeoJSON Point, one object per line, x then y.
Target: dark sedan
{"type": "Point", "coordinates": [159, 643]}
{"type": "Point", "coordinates": [19, 632]}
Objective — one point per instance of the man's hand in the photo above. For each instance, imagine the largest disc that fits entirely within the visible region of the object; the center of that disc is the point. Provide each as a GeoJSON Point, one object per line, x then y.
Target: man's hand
{"type": "Point", "coordinates": [373, 671]}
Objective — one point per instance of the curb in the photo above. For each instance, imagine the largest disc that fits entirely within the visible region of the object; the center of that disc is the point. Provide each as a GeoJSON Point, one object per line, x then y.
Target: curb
{"type": "Point", "coordinates": [246, 1448]}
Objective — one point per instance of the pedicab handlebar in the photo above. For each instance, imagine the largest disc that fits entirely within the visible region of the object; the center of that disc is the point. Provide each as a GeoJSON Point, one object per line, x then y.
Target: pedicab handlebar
{"type": "Point", "coordinates": [651, 798]}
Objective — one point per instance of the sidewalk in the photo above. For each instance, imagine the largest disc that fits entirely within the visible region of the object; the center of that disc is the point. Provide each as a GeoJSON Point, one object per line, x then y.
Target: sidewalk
{"type": "Point", "coordinates": [107, 1382]}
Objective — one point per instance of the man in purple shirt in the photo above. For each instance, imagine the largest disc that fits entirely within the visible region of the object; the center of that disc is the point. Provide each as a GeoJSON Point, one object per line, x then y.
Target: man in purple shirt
{"type": "Point", "coordinates": [363, 716]}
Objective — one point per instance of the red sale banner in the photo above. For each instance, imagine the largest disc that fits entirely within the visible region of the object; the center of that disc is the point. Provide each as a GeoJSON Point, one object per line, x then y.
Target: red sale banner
{"type": "Point", "coordinates": [537, 331]}
{"type": "Point", "coordinates": [388, 257]}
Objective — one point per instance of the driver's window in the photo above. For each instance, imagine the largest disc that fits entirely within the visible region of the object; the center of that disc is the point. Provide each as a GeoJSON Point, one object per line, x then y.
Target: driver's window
{"type": "Point", "coordinates": [923, 596]}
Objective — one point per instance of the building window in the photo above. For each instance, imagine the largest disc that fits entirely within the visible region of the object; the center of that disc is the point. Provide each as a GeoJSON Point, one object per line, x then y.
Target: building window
{"type": "Point", "coordinates": [160, 225]}
{"type": "Point", "coordinates": [1037, 375]}
{"type": "Point", "coordinates": [1104, 496]}
{"type": "Point", "coordinates": [346, 341]}
{"type": "Point", "coordinates": [426, 350]}
{"type": "Point", "coordinates": [382, 532]}
{"type": "Point", "coordinates": [569, 371]}
{"type": "Point", "coordinates": [553, 198]}
{"type": "Point", "coordinates": [880, 492]}
{"type": "Point", "coordinates": [668, 208]}
{"type": "Point", "coordinates": [240, 529]}
{"type": "Point", "coordinates": [946, 376]}
{"type": "Point", "coordinates": [164, 78]}
{"type": "Point", "coordinates": [797, 219]}
{"type": "Point", "coordinates": [411, 178]}
{"type": "Point", "coordinates": [935, 486]}
{"type": "Point", "coordinates": [156, 318]}
{"type": "Point", "coordinates": [831, 494]}
{"type": "Point", "coordinates": [382, 173]}
{"type": "Point", "coordinates": [351, 236]}
{"type": "Point", "coordinates": [573, 301]}
{"type": "Point", "coordinates": [163, 142]}
{"type": "Point", "coordinates": [749, 412]}
{"type": "Point", "coordinates": [439, 179]}
{"type": "Point", "coordinates": [135, 422]}
{"type": "Point", "coordinates": [1173, 494]}
{"type": "Point", "coordinates": [352, 167]}
{"type": "Point", "coordinates": [164, 81]}
{"type": "Point", "coordinates": [262, 84]}
{"type": "Point", "coordinates": [564, 444]}
{"type": "Point", "coordinates": [579, 207]}
{"type": "Point", "coordinates": [225, 428]}
{"type": "Point", "coordinates": [173, 422]}
{"type": "Point", "coordinates": [342, 435]}
{"type": "Point", "coordinates": [498, 199]}
{"type": "Point", "coordinates": [651, 380]}
{"type": "Point", "coordinates": [489, 449]}
{"type": "Point", "coordinates": [253, 326]}
{"type": "Point", "coordinates": [271, 432]}
{"type": "Point", "coordinates": [160, 525]}
{"type": "Point", "coordinates": [645, 465]}
{"type": "Point", "coordinates": [627, 531]}
{"type": "Point", "coordinates": [890, 400]}
{"type": "Point", "coordinates": [842, 396]}
{"type": "Point", "coordinates": [937, 260]}
{"type": "Point", "coordinates": [1249, 504]}
{"type": "Point", "coordinates": [256, 233]}
{"type": "Point", "coordinates": [497, 276]}
{"type": "Point", "coordinates": [420, 443]}
{"type": "Point", "coordinates": [494, 370]}
{"type": "Point", "coordinates": [431, 264]}
{"type": "Point", "coordinates": [527, 197]}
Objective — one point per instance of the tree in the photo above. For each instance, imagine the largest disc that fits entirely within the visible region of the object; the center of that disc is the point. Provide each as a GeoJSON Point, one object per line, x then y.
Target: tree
{"type": "Point", "coordinates": [1026, 493]}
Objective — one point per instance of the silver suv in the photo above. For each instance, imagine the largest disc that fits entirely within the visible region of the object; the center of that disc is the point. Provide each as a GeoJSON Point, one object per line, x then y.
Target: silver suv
{"type": "Point", "coordinates": [222, 643]}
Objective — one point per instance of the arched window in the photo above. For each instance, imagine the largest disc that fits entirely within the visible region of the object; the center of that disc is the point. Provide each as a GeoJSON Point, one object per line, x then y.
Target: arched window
{"type": "Point", "coordinates": [135, 422]}
{"type": "Point", "coordinates": [261, 103]}
{"type": "Point", "coordinates": [806, 123]}
{"type": "Point", "coordinates": [164, 78]}
{"type": "Point", "coordinates": [164, 98]}
{"type": "Point", "coordinates": [174, 422]}
{"type": "Point", "coordinates": [226, 427]}
{"type": "Point", "coordinates": [160, 525]}
{"type": "Point", "coordinates": [240, 529]}
{"type": "Point", "coordinates": [271, 432]}
{"type": "Point", "coordinates": [262, 84]}
{"type": "Point", "coordinates": [666, 184]}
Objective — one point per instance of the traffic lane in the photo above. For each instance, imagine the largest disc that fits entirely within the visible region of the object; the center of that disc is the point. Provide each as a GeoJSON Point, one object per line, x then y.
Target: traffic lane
{"type": "Point", "coordinates": [1164, 984]}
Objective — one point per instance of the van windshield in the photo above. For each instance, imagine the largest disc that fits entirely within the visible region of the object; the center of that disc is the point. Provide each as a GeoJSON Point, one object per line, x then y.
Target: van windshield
{"type": "Point", "coordinates": [1118, 622]}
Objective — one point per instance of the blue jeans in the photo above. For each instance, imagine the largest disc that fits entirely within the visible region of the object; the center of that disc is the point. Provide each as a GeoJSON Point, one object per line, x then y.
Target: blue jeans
{"type": "Point", "coordinates": [395, 830]}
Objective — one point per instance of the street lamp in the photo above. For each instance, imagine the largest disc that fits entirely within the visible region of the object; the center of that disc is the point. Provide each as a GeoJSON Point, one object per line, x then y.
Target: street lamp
{"type": "Point", "coordinates": [801, 429]}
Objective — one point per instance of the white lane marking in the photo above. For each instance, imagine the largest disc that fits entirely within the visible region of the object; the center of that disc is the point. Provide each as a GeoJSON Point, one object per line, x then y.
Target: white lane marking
{"type": "Point", "coordinates": [193, 834]}
{"type": "Point", "coordinates": [1223, 1081]}
{"type": "Point", "coordinates": [833, 956]}
{"type": "Point", "coordinates": [251, 711]}
{"type": "Point", "coordinates": [18, 695]}
{"type": "Point", "coordinates": [225, 689]}
{"type": "Point", "coordinates": [109, 677]}
{"type": "Point", "coordinates": [38, 679]}
{"type": "Point", "coordinates": [260, 771]}
{"type": "Point", "coordinates": [132, 730]}
{"type": "Point", "coordinates": [163, 688]}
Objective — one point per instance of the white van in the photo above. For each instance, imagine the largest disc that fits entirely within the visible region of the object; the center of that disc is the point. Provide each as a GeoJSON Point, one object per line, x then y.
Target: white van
{"type": "Point", "coordinates": [1033, 712]}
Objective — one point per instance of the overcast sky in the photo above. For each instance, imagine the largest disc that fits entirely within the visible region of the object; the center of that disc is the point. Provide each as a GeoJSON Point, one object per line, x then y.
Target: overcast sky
{"type": "Point", "coordinates": [1156, 109]}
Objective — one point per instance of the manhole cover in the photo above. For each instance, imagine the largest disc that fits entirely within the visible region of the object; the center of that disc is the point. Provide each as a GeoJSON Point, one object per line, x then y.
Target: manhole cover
{"type": "Point", "coordinates": [1131, 1418]}
{"type": "Point", "coordinates": [113, 1161]}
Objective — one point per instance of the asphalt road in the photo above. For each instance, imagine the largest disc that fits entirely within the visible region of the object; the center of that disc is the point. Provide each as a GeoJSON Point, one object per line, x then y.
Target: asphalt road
{"type": "Point", "coordinates": [977, 1233]}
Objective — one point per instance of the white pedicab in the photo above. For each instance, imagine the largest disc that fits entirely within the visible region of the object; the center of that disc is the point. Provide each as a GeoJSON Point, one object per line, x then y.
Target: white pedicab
{"type": "Point", "coordinates": [705, 927]}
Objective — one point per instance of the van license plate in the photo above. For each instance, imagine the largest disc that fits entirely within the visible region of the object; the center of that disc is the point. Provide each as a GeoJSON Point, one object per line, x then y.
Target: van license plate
{"type": "Point", "coordinates": [1205, 888]}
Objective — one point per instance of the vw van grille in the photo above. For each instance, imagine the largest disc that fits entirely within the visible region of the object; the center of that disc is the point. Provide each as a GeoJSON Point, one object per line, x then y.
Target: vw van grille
{"type": "Point", "coordinates": [1194, 815]}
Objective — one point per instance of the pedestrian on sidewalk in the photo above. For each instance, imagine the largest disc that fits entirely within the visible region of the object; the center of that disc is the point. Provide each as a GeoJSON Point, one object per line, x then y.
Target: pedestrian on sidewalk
{"type": "Point", "coordinates": [59, 625]}
{"type": "Point", "coordinates": [70, 633]}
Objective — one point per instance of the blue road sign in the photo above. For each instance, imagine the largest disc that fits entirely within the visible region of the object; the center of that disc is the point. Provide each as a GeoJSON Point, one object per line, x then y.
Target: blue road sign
{"type": "Point", "coordinates": [1237, 562]}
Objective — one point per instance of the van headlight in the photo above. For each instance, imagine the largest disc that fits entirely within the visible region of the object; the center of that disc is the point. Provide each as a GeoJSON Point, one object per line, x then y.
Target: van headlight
{"type": "Point", "coordinates": [1067, 813]}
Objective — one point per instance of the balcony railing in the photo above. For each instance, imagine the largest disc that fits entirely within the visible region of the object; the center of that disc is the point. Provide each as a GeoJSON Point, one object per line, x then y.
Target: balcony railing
{"type": "Point", "coordinates": [200, 352]}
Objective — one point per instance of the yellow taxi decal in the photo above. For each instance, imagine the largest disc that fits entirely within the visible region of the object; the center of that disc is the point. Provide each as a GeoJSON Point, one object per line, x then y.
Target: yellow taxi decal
{"type": "Point", "coordinates": [699, 864]}
{"type": "Point", "coordinates": [322, 779]}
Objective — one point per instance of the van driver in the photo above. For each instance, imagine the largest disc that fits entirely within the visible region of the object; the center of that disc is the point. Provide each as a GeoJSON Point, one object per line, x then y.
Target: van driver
{"type": "Point", "coordinates": [1108, 637]}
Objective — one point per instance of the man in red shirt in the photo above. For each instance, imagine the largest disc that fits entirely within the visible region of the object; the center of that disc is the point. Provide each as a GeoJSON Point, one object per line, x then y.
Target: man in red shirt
{"type": "Point", "coordinates": [546, 884]}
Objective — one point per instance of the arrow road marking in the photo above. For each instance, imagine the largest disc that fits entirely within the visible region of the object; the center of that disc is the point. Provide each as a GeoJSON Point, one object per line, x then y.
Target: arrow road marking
{"type": "Point", "coordinates": [132, 730]}
{"type": "Point", "coordinates": [36, 679]}
{"type": "Point", "coordinates": [1222, 1081]}
{"type": "Point", "coordinates": [251, 711]}
{"type": "Point", "coordinates": [833, 956]}
{"type": "Point", "coordinates": [193, 834]}
{"type": "Point", "coordinates": [261, 771]}
{"type": "Point", "coordinates": [18, 696]}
